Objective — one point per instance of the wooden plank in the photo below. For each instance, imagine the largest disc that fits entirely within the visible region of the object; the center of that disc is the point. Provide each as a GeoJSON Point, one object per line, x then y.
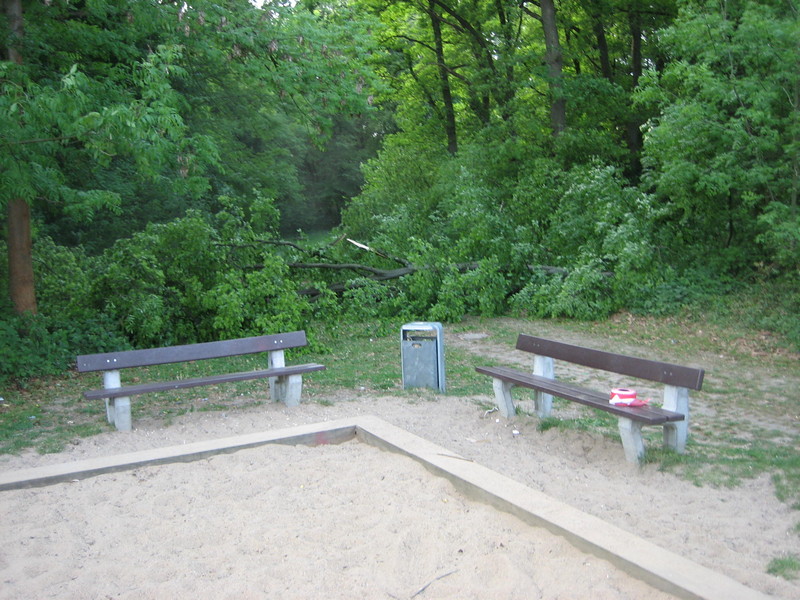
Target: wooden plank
{"type": "Point", "coordinates": [667, 373]}
{"type": "Point", "coordinates": [172, 354]}
{"type": "Point", "coordinates": [650, 415]}
{"type": "Point", "coordinates": [147, 388]}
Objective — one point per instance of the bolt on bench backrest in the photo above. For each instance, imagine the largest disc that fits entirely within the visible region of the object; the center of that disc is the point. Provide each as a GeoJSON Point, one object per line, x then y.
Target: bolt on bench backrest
{"type": "Point", "coordinates": [207, 350]}
{"type": "Point", "coordinates": [666, 373]}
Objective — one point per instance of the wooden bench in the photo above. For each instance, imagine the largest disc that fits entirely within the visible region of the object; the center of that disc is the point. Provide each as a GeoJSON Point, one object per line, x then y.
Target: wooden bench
{"type": "Point", "coordinates": [673, 416]}
{"type": "Point", "coordinates": [285, 382]}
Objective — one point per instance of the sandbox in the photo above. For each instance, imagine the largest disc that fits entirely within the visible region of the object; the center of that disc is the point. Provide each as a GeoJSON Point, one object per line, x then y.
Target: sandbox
{"type": "Point", "coordinates": [269, 515]}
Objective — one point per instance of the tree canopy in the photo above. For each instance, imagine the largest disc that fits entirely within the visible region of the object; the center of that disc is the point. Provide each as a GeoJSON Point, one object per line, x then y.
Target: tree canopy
{"type": "Point", "coordinates": [551, 158]}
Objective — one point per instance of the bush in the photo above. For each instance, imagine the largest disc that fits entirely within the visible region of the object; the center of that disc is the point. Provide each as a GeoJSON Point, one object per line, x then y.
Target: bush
{"type": "Point", "coordinates": [583, 293]}
{"type": "Point", "coordinates": [197, 279]}
{"type": "Point", "coordinates": [255, 303]}
{"type": "Point", "coordinates": [481, 291]}
{"type": "Point", "coordinates": [366, 300]}
{"type": "Point", "coordinates": [780, 237]}
{"type": "Point", "coordinates": [35, 345]}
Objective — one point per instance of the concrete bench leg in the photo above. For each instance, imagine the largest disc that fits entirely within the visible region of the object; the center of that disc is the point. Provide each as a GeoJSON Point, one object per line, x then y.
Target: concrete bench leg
{"type": "Point", "coordinates": [543, 367]}
{"type": "Point", "coordinates": [676, 399]}
{"type": "Point", "coordinates": [543, 403]}
{"type": "Point", "coordinates": [122, 414]}
{"type": "Point", "coordinates": [286, 389]}
{"type": "Point", "coordinates": [631, 433]}
{"type": "Point", "coordinates": [118, 410]}
{"type": "Point", "coordinates": [118, 413]}
{"type": "Point", "coordinates": [502, 396]}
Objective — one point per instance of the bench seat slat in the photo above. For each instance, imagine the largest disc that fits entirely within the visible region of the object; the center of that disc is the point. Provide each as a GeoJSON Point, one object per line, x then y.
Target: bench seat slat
{"type": "Point", "coordinates": [649, 415]}
{"type": "Point", "coordinates": [146, 388]}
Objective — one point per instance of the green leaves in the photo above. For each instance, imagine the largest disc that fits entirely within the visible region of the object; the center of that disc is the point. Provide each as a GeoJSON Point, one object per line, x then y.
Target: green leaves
{"type": "Point", "coordinates": [49, 128]}
{"type": "Point", "coordinates": [724, 145]}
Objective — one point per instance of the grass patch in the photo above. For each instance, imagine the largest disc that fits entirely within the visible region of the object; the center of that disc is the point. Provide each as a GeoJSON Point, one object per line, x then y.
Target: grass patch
{"type": "Point", "coordinates": [32, 424]}
{"type": "Point", "coordinates": [787, 567]}
{"type": "Point", "coordinates": [592, 421]}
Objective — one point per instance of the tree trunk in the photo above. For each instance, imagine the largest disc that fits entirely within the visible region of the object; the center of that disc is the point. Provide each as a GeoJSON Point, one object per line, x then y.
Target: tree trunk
{"type": "Point", "coordinates": [480, 100]}
{"type": "Point", "coordinates": [444, 80]}
{"type": "Point", "coordinates": [13, 10]}
{"type": "Point", "coordinates": [602, 46]}
{"type": "Point", "coordinates": [555, 67]}
{"type": "Point", "coordinates": [20, 257]}
{"type": "Point", "coordinates": [633, 125]}
{"type": "Point", "coordinates": [505, 91]}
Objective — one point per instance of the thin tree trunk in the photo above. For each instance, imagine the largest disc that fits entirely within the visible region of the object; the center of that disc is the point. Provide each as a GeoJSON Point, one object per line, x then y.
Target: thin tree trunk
{"type": "Point", "coordinates": [505, 92]}
{"type": "Point", "coordinates": [21, 286]}
{"type": "Point", "coordinates": [633, 125]}
{"type": "Point", "coordinates": [602, 46]}
{"type": "Point", "coordinates": [555, 67]}
{"type": "Point", "coordinates": [444, 79]}
{"type": "Point", "coordinates": [13, 9]}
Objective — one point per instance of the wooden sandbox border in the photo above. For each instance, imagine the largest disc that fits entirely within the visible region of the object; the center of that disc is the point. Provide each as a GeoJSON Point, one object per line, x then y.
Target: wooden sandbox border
{"type": "Point", "coordinates": [660, 568]}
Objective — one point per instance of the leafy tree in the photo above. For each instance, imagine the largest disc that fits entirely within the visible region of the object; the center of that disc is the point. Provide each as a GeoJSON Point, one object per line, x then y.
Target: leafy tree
{"type": "Point", "coordinates": [124, 108]}
{"type": "Point", "coordinates": [57, 121]}
{"type": "Point", "coordinates": [722, 154]}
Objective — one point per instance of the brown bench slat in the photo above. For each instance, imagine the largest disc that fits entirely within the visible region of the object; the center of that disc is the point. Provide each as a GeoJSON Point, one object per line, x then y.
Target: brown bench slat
{"type": "Point", "coordinates": [189, 352]}
{"type": "Point", "coordinates": [146, 388]}
{"type": "Point", "coordinates": [641, 368]}
{"type": "Point", "coordinates": [649, 415]}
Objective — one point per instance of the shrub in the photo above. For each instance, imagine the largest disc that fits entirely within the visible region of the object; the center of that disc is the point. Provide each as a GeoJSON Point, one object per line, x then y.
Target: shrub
{"type": "Point", "coordinates": [256, 303]}
{"type": "Point", "coordinates": [35, 345]}
{"type": "Point", "coordinates": [583, 293]}
{"type": "Point", "coordinates": [368, 300]}
{"type": "Point", "coordinates": [481, 291]}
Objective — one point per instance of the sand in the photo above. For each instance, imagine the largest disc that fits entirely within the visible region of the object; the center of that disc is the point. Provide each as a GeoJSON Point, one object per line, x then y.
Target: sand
{"type": "Point", "coordinates": [345, 521]}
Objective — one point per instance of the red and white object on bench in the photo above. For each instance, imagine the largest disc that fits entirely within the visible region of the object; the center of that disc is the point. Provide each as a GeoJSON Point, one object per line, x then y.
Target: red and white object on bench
{"type": "Point", "coordinates": [622, 396]}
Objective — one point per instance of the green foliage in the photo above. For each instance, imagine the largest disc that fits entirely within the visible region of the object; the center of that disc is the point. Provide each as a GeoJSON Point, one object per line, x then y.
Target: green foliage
{"type": "Point", "coordinates": [141, 310]}
{"type": "Point", "coordinates": [190, 280]}
{"type": "Point", "coordinates": [479, 291]}
{"type": "Point", "coordinates": [31, 346]}
{"type": "Point", "coordinates": [397, 197]}
{"type": "Point", "coordinates": [68, 324]}
{"type": "Point", "coordinates": [583, 294]}
{"type": "Point", "coordinates": [256, 303]}
{"type": "Point", "coordinates": [193, 279]}
{"type": "Point", "coordinates": [75, 121]}
{"type": "Point", "coordinates": [167, 145]}
{"type": "Point", "coordinates": [601, 235]}
{"type": "Point", "coordinates": [724, 144]}
{"type": "Point", "coordinates": [596, 107]}
{"type": "Point", "coordinates": [366, 300]}
{"type": "Point", "coordinates": [780, 236]}
{"type": "Point", "coordinates": [64, 279]}
{"type": "Point", "coordinates": [787, 567]}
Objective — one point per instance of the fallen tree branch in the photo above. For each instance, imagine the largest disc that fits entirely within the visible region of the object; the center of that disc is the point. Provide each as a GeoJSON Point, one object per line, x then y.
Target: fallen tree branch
{"type": "Point", "coordinates": [381, 253]}
{"type": "Point", "coordinates": [377, 274]}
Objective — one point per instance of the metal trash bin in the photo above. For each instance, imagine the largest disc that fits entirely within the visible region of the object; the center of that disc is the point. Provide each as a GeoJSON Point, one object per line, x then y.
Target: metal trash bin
{"type": "Point", "coordinates": [422, 354]}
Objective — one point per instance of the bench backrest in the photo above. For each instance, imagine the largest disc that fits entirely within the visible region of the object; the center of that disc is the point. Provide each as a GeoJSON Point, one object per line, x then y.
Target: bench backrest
{"type": "Point", "coordinates": [171, 354]}
{"type": "Point", "coordinates": [641, 368]}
